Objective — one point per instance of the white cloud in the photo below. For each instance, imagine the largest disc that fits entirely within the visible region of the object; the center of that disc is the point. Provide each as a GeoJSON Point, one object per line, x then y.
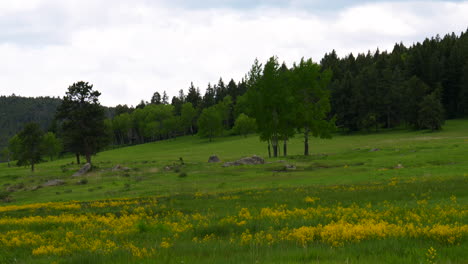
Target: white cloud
{"type": "Point", "coordinates": [129, 50]}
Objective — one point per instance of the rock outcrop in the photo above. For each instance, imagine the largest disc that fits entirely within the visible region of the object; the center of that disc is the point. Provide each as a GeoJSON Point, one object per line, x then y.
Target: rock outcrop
{"type": "Point", "coordinates": [254, 160]}
{"type": "Point", "coordinates": [83, 170]}
{"type": "Point", "coordinates": [55, 182]}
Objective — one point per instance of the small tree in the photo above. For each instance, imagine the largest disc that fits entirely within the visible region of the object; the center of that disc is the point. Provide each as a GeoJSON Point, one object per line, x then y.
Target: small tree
{"type": "Point", "coordinates": [188, 117]}
{"type": "Point", "coordinates": [6, 154]}
{"type": "Point", "coordinates": [52, 145]}
{"type": "Point", "coordinates": [30, 145]}
{"type": "Point", "coordinates": [244, 125]}
{"type": "Point", "coordinates": [312, 103]}
{"type": "Point", "coordinates": [210, 123]}
{"type": "Point", "coordinates": [431, 112]}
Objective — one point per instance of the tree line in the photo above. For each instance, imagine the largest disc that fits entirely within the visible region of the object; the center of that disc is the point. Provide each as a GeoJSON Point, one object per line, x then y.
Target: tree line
{"type": "Point", "coordinates": [416, 87]}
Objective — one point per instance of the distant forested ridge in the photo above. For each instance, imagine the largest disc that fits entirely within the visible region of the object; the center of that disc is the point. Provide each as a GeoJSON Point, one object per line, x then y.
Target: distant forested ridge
{"type": "Point", "coordinates": [388, 89]}
{"type": "Point", "coordinates": [15, 111]}
{"type": "Point", "coordinates": [417, 87]}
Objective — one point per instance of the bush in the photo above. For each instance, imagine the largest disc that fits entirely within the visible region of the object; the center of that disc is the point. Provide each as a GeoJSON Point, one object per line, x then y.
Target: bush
{"type": "Point", "coordinates": [83, 181]}
{"type": "Point", "coordinates": [4, 196]}
{"type": "Point", "coordinates": [182, 175]}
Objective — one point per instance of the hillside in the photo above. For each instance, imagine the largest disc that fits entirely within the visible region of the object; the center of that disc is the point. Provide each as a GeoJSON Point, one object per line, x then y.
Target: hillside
{"type": "Point", "coordinates": [399, 190]}
{"type": "Point", "coordinates": [15, 111]}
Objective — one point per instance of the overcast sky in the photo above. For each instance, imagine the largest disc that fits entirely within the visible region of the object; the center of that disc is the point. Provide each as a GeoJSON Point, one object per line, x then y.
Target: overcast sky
{"type": "Point", "coordinates": [131, 48]}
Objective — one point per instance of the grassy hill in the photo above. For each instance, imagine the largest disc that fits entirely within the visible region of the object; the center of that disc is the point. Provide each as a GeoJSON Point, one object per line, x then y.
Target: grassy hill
{"type": "Point", "coordinates": [392, 197]}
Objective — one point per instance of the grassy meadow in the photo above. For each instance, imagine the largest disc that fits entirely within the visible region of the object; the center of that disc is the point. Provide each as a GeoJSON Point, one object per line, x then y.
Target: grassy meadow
{"type": "Point", "coordinates": [390, 197]}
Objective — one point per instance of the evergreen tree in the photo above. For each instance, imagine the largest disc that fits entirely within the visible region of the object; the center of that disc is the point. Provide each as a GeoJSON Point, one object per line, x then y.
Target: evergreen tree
{"type": "Point", "coordinates": [156, 98]}
{"type": "Point", "coordinates": [120, 109]}
{"type": "Point", "coordinates": [141, 105]}
{"type": "Point", "coordinates": [82, 119]}
{"type": "Point", "coordinates": [209, 97]}
{"type": "Point", "coordinates": [165, 98]}
{"type": "Point", "coordinates": [193, 96]}
{"type": "Point", "coordinates": [431, 112]}
{"type": "Point", "coordinates": [220, 91]}
{"type": "Point", "coordinates": [416, 90]}
{"type": "Point", "coordinates": [232, 90]}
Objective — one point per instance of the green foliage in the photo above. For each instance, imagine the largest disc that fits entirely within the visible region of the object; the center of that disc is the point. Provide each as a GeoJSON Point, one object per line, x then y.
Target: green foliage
{"type": "Point", "coordinates": [82, 119]}
{"type": "Point", "coordinates": [431, 112]}
{"type": "Point", "coordinates": [210, 123]}
{"type": "Point", "coordinates": [16, 111]}
{"type": "Point", "coordinates": [312, 104]}
{"type": "Point", "coordinates": [188, 117]}
{"type": "Point", "coordinates": [31, 148]}
{"type": "Point", "coordinates": [52, 145]}
{"type": "Point", "coordinates": [244, 125]}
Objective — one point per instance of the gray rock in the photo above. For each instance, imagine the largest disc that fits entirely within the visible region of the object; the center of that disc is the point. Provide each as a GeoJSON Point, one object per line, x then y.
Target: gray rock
{"type": "Point", "coordinates": [83, 170]}
{"type": "Point", "coordinates": [15, 187]}
{"type": "Point", "coordinates": [289, 167]}
{"type": "Point", "coordinates": [214, 159]}
{"type": "Point", "coordinates": [254, 160]}
{"type": "Point", "coordinates": [55, 182]}
{"type": "Point", "coordinates": [35, 188]}
{"type": "Point", "coordinates": [399, 166]}
{"type": "Point", "coordinates": [374, 150]}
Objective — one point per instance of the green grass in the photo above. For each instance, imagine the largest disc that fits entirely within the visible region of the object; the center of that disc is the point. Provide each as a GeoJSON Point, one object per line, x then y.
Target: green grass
{"type": "Point", "coordinates": [341, 172]}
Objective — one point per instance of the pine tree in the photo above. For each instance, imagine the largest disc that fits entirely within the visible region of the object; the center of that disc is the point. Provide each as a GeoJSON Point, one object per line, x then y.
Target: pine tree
{"type": "Point", "coordinates": [82, 119]}
{"type": "Point", "coordinates": [165, 98]}
{"type": "Point", "coordinates": [431, 112]}
{"type": "Point", "coordinates": [193, 96]}
{"type": "Point", "coordinates": [156, 98]}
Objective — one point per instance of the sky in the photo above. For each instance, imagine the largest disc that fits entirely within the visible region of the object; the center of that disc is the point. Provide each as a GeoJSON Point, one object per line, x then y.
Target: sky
{"type": "Point", "coordinates": [129, 49]}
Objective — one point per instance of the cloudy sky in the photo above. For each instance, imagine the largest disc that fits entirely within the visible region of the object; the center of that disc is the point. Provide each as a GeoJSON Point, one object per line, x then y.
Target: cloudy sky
{"type": "Point", "coordinates": [131, 48]}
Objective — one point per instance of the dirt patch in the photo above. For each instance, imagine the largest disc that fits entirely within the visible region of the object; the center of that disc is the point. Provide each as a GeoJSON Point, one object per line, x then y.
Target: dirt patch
{"type": "Point", "coordinates": [153, 170]}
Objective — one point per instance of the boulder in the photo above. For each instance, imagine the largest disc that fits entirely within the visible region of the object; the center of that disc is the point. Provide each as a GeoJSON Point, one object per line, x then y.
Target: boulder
{"type": "Point", "coordinates": [399, 166]}
{"type": "Point", "coordinates": [15, 187]}
{"type": "Point", "coordinates": [254, 160]}
{"type": "Point", "coordinates": [214, 159]}
{"type": "Point", "coordinates": [35, 188]}
{"type": "Point", "coordinates": [374, 150]}
{"type": "Point", "coordinates": [289, 167]}
{"type": "Point", "coordinates": [55, 182]}
{"type": "Point", "coordinates": [83, 170]}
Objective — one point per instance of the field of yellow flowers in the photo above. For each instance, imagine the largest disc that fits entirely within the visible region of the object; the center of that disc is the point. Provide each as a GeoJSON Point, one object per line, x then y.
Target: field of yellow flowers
{"type": "Point", "coordinates": [397, 221]}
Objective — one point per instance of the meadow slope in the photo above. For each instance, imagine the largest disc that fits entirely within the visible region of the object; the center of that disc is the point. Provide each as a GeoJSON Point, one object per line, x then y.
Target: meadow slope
{"type": "Point", "coordinates": [390, 197]}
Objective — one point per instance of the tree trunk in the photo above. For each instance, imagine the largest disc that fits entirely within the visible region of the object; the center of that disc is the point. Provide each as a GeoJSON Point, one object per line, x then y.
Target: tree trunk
{"type": "Point", "coordinates": [275, 146]}
{"type": "Point", "coordinates": [269, 149]}
{"type": "Point", "coordinates": [77, 158]}
{"type": "Point", "coordinates": [306, 141]}
{"type": "Point", "coordinates": [88, 158]}
{"type": "Point", "coordinates": [285, 147]}
{"type": "Point", "coordinates": [32, 166]}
